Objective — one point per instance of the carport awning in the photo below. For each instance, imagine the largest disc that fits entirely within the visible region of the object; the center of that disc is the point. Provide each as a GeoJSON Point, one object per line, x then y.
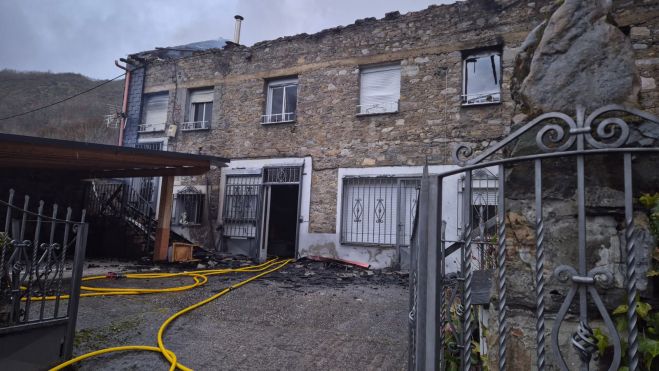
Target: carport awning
{"type": "Point", "coordinates": [90, 160]}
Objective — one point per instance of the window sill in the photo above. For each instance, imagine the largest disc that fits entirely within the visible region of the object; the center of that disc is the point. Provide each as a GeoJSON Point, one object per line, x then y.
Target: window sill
{"type": "Point", "coordinates": [480, 104]}
{"type": "Point", "coordinates": [201, 129]}
{"type": "Point", "coordinates": [376, 113]}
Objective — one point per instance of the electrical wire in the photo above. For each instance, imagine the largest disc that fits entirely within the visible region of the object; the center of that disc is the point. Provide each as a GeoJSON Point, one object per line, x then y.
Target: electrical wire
{"type": "Point", "coordinates": [200, 277]}
{"type": "Point", "coordinates": [62, 100]}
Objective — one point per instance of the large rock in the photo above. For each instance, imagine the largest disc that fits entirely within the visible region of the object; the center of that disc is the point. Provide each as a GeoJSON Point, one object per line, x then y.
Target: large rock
{"type": "Point", "coordinates": [581, 58]}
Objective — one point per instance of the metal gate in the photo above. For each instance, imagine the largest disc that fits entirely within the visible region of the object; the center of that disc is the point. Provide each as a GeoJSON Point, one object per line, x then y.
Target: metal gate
{"type": "Point", "coordinates": [444, 307]}
{"type": "Point", "coordinates": [37, 333]}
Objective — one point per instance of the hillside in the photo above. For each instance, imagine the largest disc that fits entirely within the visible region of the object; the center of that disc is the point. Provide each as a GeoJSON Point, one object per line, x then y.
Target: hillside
{"type": "Point", "coordinates": [81, 118]}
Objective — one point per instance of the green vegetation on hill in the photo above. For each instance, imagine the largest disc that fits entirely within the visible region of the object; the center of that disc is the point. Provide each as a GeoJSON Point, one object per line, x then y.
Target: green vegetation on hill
{"type": "Point", "coordinates": [80, 119]}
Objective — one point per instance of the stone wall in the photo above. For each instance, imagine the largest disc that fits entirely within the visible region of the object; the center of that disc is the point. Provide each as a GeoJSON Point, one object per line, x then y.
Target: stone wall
{"type": "Point", "coordinates": [428, 46]}
{"type": "Point", "coordinates": [592, 54]}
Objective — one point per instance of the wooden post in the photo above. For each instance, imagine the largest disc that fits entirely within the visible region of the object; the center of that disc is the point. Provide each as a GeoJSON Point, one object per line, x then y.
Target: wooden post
{"type": "Point", "coordinates": [164, 219]}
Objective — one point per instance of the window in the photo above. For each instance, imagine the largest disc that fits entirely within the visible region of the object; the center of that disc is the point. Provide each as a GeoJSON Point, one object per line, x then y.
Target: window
{"type": "Point", "coordinates": [481, 78]}
{"type": "Point", "coordinates": [155, 113]}
{"type": "Point", "coordinates": [200, 114]}
{"type": "Point", "coordinates": [282, 101]}
{"type": "Point", "coordinates": [378, 211]}
{"type": "Point", "coordinates": [188, 206]}
{"type": "Point", "coordinates": [379, 89]}
{"type": "Point", "coordinates": [241, 205]}
{"type": "Point", "coordinates": [484, 201]}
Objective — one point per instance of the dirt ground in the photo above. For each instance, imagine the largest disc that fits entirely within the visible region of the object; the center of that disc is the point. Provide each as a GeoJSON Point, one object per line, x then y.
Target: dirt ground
{"type": "Point", "coordinates": [310, 315]}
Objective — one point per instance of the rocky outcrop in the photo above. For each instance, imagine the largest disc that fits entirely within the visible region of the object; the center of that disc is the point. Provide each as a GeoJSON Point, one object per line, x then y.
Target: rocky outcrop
{"type": "Point", "coordinates": [581, 58]}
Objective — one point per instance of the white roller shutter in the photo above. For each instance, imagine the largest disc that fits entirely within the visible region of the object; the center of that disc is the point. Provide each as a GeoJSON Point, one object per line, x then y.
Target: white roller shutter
{"type": "Point", "coordinates": [379, 89]}
{"type": "Point", "coordinates": [156, 109]}
{"type": "Point", "coordinates": [201, 96]}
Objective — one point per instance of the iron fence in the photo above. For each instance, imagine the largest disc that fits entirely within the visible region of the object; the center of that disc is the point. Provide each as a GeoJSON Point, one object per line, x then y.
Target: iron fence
{"type": "Point", "coordinates": [445, 307]}
{"type": "Point", "coordinates": [35, 332]}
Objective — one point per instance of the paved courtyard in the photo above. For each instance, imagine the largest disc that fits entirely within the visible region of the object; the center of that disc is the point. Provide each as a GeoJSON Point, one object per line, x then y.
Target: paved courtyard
{"type": "Point", "coordinates": [307, 316]}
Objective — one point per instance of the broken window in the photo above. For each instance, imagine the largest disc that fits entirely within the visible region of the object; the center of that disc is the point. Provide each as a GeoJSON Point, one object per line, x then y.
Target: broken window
{"type": "Point", "coordinates": [241, 195]}
{"type": "Point", "coordinates": [379, 89]}
{"type": "Point", "coordinates": [201, 110]}
{"type": "Point", "coordinates": [482, 78]}
{"type": "Point", "coordinates": [155, 113]}
{"type": "Point", "coordinates": [281, 101]}
{"type": "Point", "coordinates": [188, 206]}
{"type": "Point", "coordinates": [378, 211]}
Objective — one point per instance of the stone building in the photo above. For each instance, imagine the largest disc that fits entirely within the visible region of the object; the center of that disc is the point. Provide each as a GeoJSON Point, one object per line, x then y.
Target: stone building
{"type": "Point", "coordinates": [327, 133]}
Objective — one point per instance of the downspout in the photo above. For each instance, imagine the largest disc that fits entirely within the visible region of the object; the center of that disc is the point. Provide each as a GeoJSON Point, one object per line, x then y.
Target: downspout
{"type": "Point", "coordinates": [124, 105]}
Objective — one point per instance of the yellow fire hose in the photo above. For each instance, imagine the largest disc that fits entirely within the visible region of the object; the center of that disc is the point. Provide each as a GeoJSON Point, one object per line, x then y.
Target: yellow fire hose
{"type": "Point", "coordinates": [200, 277]}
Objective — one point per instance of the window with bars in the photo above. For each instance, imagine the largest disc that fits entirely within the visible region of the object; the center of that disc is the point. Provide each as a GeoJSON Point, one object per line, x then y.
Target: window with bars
{"type": "Point", "coordinates": [240, 211]}
{"type": "Point", "coordinates": [378, 211]}
{"type": "Point", "coordinates": [281, 102]}
{"type": "Point", "coordinates": [201, 110]}
{"type": "Point", "coordinates": [484, 202]}
{"type": "Point", "coordinates": [379, 89]}
{"type": "Point", "coordinates": [188, 207]}
{"type": "Point", "coordinates": [481, 78]}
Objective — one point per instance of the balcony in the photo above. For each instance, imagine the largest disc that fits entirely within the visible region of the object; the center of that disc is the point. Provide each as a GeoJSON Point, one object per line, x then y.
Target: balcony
{"type": "Point", "coordinates": [195, 125]}
{"type": "Point", "coordinates": [151, 128]}
{"type": "Point", "coordinates": [278, 118]}
{"type": "Point", "coordinates": [481, 98]}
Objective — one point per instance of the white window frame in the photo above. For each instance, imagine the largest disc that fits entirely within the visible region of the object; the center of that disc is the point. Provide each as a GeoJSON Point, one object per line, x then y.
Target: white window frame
{"type": "Point", "coordinates": [366, 108]}
{"type": "Point", "coordinates": [150, 127]}
{"type": "Point", "coordinates": [272, 118]}
{"type": "Point", "coordinates": [199, 97]}
{"type": "Point", "coordinates": [481, 98]}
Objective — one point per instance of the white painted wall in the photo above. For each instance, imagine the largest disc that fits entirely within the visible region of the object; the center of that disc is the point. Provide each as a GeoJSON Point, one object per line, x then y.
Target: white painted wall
{"type": "Point", "coordinates": [329, 244]}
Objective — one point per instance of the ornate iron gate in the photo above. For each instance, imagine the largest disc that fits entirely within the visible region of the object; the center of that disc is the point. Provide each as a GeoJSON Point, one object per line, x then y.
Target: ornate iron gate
{"type": "Point", "coordinates": [442, 305]}
{"type": "Point", "coordinates": [37, 333]}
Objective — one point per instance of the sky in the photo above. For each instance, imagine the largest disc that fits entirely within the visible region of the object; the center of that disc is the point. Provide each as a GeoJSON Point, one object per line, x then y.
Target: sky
{"type": "Point", "coordinates": [87, 36]}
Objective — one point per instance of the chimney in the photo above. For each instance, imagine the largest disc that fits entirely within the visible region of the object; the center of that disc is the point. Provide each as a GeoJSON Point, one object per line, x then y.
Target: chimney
{"type": "Point", "coordinates": [236, 31]}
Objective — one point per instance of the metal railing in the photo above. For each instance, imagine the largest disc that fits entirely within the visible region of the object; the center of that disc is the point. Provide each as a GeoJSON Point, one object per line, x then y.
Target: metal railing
{"type": "Point", "coordinates": [445, 307]}
{"type": "Point", "coordinates": [195, 125]}
{"type": "Point", "coordinates": [120, 201]}
{"type": "Point", "coordinates": [150, 128]}
{"type": "Point", "coordinates": [34, 246]}
{"type": "Point", "coordinates": [481, 98]}
{"type": "Point", "coordinates": [278, 117]}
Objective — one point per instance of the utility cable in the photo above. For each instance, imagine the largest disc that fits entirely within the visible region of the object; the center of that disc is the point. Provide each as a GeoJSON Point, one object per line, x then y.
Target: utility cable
{"type": "Point", "coordinates": [62, 100]}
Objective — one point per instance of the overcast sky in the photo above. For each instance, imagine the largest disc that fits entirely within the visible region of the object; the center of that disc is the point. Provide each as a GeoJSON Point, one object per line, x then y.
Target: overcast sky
{"type": "Point", "coordinates": [86, 36]}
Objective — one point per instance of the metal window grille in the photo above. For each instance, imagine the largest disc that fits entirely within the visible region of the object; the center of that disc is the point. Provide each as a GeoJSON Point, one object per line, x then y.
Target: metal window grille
{"type": "Point", "coordinates": [241, 205]}
{"type": "Point", "coordinates": [188, 206]}
{"type": "Point", "coordinates": [378, 211]}
{"type": "Point", "coordinates": [155, 146]}
{"type": "Point", "coordinates": [484, 207]}
{"type": "Point", "coordinates": [282, 175]}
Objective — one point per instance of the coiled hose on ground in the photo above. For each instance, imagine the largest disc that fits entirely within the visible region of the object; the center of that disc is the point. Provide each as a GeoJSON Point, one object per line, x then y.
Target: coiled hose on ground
{"type": "Point", "coordinates": [200, 277]}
